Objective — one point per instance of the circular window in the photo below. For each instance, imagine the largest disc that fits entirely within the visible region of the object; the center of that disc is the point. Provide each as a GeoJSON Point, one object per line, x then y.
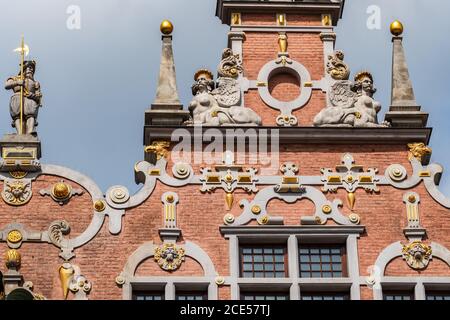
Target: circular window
{"type": "Point", "coordinates": [285, 88]}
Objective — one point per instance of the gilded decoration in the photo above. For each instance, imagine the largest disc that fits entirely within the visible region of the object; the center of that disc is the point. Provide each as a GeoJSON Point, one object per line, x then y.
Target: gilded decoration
{"type": "Point", "coordinates": [14, 236]}
{"type": "Point", "coordinates": [160, 148]}
{"type": "Point", "coordinates": [417, 255]}
{"type": "Point", "coordinates": [419, 151]}
{"type": "Point", "coordinates": [396, 28]}
{"type": "Point", "coordinates": [66, 272]}
{"type": "Point", "coordinates": [169, 257]}
{"type": "Point", "coordinates": [16, 192]}
{"type": "Point", "coordinates": [336, 67]}
{"type": "Point", "coordinates": [350, 177]}
{"type": "Point", "coordinates": [61, 192]}
{"type": "Point", "coordinates": [12, 259]}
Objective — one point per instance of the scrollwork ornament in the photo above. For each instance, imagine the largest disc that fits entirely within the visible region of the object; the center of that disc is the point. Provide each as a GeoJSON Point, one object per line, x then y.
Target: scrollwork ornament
{"type": "Point", "coordinates": [417, 255]}
{"type": "Point", "coordinates": [119, 195]}
{"type": "Point", "coordinates": [397, 173]}
{"type": "Point", "coordinates": [169, 257]}
{"type": "Point", "coordinates": [287, 120]}
{"type": "Point", "coordinates": [181, 170]}
{"type": "Point", "coordinates": [57, 230]}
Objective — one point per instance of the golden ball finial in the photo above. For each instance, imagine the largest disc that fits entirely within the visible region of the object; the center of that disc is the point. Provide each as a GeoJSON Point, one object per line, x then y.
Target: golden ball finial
{"type": "Point", "coordinates": [166, 27]}
{"type": "Point", "coordinates": [396, 28]}
{"type": "Point", "coordinates": [61, 190]}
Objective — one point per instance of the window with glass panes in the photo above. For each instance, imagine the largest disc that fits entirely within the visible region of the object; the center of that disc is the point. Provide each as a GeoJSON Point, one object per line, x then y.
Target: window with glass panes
{"type": "Point", "coordinates": [322, 261]}
{"type": "Point", "coordinates": [438, 295]}
{"type": "Point", "coordinates": [323, 296]}
{"type": "Point", "coordinates": [398, 295]}
{"type": "Point", "coordinates": [148, 295]}
{"type": "Point", "coordinates": [191, 295]}
{"type": "Point", "coordinates": [263, 261]}
{"type": "Point", "coordinates": [264, 296]}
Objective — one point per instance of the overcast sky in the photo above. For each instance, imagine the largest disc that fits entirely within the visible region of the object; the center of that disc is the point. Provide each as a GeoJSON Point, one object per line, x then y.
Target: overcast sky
{"type": "Point", "coordinates": [97, 81]}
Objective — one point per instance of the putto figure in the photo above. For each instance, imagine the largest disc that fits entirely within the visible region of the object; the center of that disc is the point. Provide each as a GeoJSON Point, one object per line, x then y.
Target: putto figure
{"type": "Point", "coordinates": [31, 103]}
{"type": "Point", "coordinates": [352, 104]}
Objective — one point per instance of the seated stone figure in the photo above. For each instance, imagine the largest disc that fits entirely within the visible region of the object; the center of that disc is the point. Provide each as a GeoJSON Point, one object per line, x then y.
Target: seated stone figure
{"type": "Point", "coordinates": [352, 104]}
{"type": "Point", "coordinates": [221, 105]}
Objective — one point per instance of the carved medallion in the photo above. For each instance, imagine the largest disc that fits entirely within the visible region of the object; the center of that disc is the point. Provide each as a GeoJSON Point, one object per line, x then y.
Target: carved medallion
{"type": "Point", "coordinates": [417, 255]}
{"type": "Point", "coordinates": [169, 257]}
{"type": "Point", "coordinates": [16, 192]}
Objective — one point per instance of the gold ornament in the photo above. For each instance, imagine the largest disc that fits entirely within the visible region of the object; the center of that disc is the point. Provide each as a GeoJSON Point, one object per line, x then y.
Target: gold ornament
{"type": "Point", "coordinates": [256, 209]}
{"type": "Point", "coordinates": [351, 198]}
{"type": "Point", "coordinates": [18, 174]}
{"type": "Point", "coordinates": [412, 198]}
{"type": "Point", "coordinates": [12, 259]}
{"type": "Point", "coordinates": [229, 199]}
{"type": "Point", "coordinates": [166, 27]}
{"type": "Point", "coordinates": [281, 19]}
{"type": "Point", "coordinates": [419, 151]}
{"type": "Point", "coordinates": [235, 18]}
{"type": "Point", "coordinates": [66, 272]}
{"type": "Point", "coordinates": [264, 220]}
{"type": "Point", "coordinates": [61, 190]}
{"type": "Point", "coordinates": [417, 255]}
{"type": "Point", "coordinates": [283, 42]}
{"type": "Point", "coordinates": [170, 198]}
{"type": "Point", "coordinates": [327, 209]}
{"type": "Point", "coordinates": [169, 257]}
{"type": "Point", "coordinates": [99, 206]}
{"type": "Point", "coordinates": [14, 236]}
{"type": "Point", "coordinates": [396, 28]}
{"type": "Point", "coordinates": [159, 148]}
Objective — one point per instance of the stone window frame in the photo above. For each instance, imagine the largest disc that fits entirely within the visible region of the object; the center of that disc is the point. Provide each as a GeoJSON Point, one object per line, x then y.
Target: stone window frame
{"type": "Point", "coordinates": [169, 284]}
{"type": "Point", "coordinates": [291, 235]}
{"type": "Point", "coordinates": [419, 284]}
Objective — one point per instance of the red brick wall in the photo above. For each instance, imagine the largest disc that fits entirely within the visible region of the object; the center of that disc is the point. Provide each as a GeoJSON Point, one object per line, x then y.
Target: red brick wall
{"type": "Point", "coordinates": [307, 49]}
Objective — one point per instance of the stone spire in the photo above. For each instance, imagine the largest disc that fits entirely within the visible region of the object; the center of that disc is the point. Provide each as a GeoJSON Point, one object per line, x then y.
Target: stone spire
{"type": "Point", "coordinates": [404, 110]}
{"type": "Point", "coordinates": [167, 108]}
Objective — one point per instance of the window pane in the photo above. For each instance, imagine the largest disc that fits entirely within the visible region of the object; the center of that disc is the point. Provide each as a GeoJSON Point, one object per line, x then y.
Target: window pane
{"type": "Point", "coordinates": [321, 296]}
{"type": "Point", "coordinates": [325, 261]}
{"type": "Point", "coordinates": [270, 296]}
{"type": "Point", "coordinates": [263, 262]}
{"type": "Point", "coordinates": [399, 295]}
{"type": "Point", "coordinates": [148, 295]}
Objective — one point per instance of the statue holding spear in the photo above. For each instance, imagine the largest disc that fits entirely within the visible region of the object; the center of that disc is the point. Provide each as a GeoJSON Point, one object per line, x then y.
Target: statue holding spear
{"type": "Point", "coordinates": [26, 100]}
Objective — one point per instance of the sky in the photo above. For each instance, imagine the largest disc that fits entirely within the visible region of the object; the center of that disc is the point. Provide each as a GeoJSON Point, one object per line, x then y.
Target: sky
{"type": "Point", "coordinates": [98, 80]}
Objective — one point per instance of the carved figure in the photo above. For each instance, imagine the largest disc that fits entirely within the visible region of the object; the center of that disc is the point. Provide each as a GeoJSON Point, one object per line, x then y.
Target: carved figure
{"type": "Point", "coordinates": [352, 104]}
{"type": "Point", "coordinates": [31, 99]}
{"type": "Point", "coordinates": [220, 104]}
{"type": "Point", "coordinates": [336, 67]}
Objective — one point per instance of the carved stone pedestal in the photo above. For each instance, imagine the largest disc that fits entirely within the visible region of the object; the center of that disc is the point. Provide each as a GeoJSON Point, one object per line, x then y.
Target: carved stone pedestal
{"type": "Point", "coordinates": [20, 153]}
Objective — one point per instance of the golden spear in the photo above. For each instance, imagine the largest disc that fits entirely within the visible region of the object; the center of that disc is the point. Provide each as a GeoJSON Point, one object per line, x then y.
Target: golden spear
{"type": "Point", "coordinates": [24, 50]}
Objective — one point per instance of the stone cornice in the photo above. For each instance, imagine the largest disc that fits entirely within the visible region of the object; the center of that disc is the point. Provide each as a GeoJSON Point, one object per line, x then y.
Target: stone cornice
{"type": "Point", "coordinates": [289, 230]}
{"type": "Point", "coordinates": [311, 135]}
